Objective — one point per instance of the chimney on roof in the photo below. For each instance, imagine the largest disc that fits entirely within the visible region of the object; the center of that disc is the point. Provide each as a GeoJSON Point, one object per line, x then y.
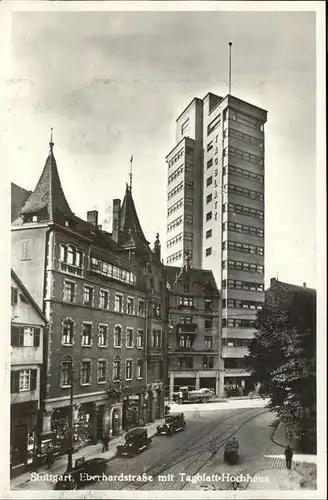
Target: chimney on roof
{"type": "Point", "coordinates": [92, 217]}
{"type": "Point", "coordinates": [304, 285]}
{"type": "Point", "coordinates": [272, 281]}
{"type": "Point", "coordinates": [116, 219]}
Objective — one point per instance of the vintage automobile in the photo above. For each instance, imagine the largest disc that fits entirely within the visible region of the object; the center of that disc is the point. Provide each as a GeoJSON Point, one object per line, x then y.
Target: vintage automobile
{"type": "Point", "coordinates": [76, 479]}
{"type": "Point", "coordinates": [136, 440]}
{"type": "Point", "coordinates": [172, 424]}
{"type": "Point", "coordinates": [231, 451]}
{"type": "Point", "coordinates": [184, 395]}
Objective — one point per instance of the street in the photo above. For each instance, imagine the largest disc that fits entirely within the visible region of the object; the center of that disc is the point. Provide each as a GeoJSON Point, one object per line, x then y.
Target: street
{"type": "Point", "coordinates": [199, 449]}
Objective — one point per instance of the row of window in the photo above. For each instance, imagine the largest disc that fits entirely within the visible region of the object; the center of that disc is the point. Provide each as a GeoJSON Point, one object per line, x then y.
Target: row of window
{"type": "Point", "coordinates": [237, 323]}
{"type": "Point", "coordinates": [174, 240]}
{"type": "Point", "coordinates": [68, 335]}
{"type": "Point", "coordinates": [102, 371]}
{"type": "Point", "coordinates": [242, 304]}
{"type": "Point", "coordinates": [243, 155]}
{"type": "Point", "coordinates": [175, 174]}
{"type": "Point", "coordinates": [131, 306]}
{"type": "Point", "coordinates": [176, 158]}
{"type": "Point", "coordinates": [240, 136]}
{"type": "Point", "coordinates": [175, 190]}
{"type": "Point", "coordinates": [175, 256]}
{"type": "Point", "coordinates": [243, 285]}
{"type": "Point", "coordinates": [71, 259]}
{"type": "Point", "coordinates": [189, 184]}
{"type": "Point", "coordinates": [241, 172]}
{"type": "Point", "coordinates": [111, 271]}
{"type": "Point", "coordinates": [214, 124]}
{"type": "Point", "coordinates": [235, 342]}
{"type": "Point", "coordinates": [188, 362]}
{"type": "Point", "coordinates": [175, 207]}
{"type": "Point", "coordinates": [242, 247]}
{"type": "Point", "coordinates": [241, 191]}
{"type": "Point", "coordinates": [243, 266]}
{"type": "Point", "coordinates": [242, 228]}
{"type": "Point", "coordinates": [25, 336]}
{"type": "Point", "coordinates": [243, 119]}
{"type": "Point", "coordinates": [176, 222]}
{"type": "Point", "coordinates": [243, 210]}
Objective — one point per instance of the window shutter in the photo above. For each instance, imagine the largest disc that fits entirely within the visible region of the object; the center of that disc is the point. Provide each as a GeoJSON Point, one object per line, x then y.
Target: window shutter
{"type": "Point", "coordinates": [36, 337]}
{"type": "Point", "coordinates": [14, 335]}
{"type": "Point", "coordinates": [21, 336]}
{"type": "Point", "coordinates": [34, 376]}
{"type": "Point", "coordinates": [14, 382]}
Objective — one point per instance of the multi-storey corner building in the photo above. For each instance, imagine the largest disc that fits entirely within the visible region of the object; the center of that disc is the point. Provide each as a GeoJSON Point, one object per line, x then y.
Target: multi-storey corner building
{"type": "Point", "coordinates": [194, 339]}
{"type": "Point", "coordinates": [95, 289]}
{"type": "Point", "coordinates": [230, 134]}
{"type": "Point", "coordinates": [27, 332]}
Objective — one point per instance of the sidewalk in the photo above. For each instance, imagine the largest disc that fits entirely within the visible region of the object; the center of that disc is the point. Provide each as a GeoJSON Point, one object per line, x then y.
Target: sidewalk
{"type": "Point", "coordinates": [92, 451]}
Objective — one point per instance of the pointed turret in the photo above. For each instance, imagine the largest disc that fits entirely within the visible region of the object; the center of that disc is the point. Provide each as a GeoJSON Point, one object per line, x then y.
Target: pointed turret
{"type": "Point", "coordinates": [48, 198]}
{"type": "Point", "coordinates": [157, 248]}
{"type": "Point", "coordinates": [131, 233]}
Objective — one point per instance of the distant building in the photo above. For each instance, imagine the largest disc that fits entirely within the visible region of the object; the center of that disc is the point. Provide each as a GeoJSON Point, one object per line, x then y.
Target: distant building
{"type": "Point", "coordinates": [195, 334]}
{"type": "Point", "coordinates": [215, 211]}
{"type": "Point", "coordinates": [103, 295]}
{"type": "Point", "coordinates": [27, 332]}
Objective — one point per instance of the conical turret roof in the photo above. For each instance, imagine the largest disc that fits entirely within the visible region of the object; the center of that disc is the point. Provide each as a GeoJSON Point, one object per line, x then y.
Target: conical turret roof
{"type": "Point", "coordinates": [132, 235]}
{"type": "Point", "coordinates": [48, 195]}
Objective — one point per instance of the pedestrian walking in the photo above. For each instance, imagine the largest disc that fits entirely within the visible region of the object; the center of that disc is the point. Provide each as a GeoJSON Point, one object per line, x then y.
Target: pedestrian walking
{"type": "Point", "coordinates": [50, 458]}
{"type": "Point", "coordinates": [288, 456]}
{"type": "Point", "coordinates": [105, 441]}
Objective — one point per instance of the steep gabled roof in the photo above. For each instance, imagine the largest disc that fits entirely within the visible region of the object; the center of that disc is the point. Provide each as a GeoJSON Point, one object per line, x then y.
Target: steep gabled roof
{"type": "Point", "coordinates": [131, 233]}
{"type": "Point", "coordinates": [203, 277]}
{"type": "Point", "coordinates": [28, 296]}
{"type": "Point", "coordinates": [48, 195]}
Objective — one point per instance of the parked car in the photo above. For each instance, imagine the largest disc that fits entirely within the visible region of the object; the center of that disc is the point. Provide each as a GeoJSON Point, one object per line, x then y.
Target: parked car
{"type": "Point", "coordinates": [74, 479]}
{"type": "Point", "coordinates": [172, 424]}
{"type": "Point", "coordinates": [136, 440]}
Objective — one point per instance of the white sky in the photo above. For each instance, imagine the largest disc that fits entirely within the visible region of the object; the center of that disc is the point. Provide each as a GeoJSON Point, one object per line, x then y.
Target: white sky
{"type": "Point", "coordinates": [112, 84]}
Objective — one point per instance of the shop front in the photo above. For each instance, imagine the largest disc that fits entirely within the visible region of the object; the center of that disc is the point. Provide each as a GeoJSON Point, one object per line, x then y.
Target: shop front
{"type": "Point", "coordinates": [23, 437]}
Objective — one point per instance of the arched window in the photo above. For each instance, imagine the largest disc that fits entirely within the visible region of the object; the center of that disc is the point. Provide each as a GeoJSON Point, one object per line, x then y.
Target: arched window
{"type": "Point", "coordinates": [116, 368]}
{"type": "Point", "coordinates": [117, 336]}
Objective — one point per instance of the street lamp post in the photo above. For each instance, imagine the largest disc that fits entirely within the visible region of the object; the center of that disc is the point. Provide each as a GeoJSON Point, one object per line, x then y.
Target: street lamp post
{"type": "Point", "coordinates": [70, 419]}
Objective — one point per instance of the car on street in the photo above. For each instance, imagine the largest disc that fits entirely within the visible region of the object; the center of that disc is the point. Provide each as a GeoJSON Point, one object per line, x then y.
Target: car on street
{"type": "Point", "coordinates": [136, 441]}
{"type": "Point", "coordinates": [231, 452]}
{"type": "Point", "coordinates": [172, 424]}
{"type": "Point", "coordinates": [83, 472]}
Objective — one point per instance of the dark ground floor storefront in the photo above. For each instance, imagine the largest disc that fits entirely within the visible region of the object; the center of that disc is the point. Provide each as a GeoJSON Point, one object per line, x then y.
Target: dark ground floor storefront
{"type": "Point", "coordinates": [23, 437]}
{"type": "Point", "coordinates": [92, 421]}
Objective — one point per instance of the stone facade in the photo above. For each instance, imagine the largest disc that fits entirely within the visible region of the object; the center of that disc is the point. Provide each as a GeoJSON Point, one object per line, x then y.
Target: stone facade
{"type": "Point", "coordinates": [103, 295]}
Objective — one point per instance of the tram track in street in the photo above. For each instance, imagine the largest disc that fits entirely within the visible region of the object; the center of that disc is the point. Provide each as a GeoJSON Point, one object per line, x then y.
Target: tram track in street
{"type": "Point", "coordinates": [163, 463]}
{"type": "Point", "coordinates": [180, 458]}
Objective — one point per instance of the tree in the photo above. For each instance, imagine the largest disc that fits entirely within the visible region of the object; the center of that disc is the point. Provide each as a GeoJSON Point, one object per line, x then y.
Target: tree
{"type": "Point", "coordinates": [282, 357]}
